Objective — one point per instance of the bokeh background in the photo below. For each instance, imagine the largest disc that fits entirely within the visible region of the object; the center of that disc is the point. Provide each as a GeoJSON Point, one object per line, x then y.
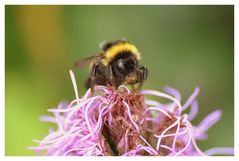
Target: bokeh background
{"type": "Point", "coordinates": [183, 47]}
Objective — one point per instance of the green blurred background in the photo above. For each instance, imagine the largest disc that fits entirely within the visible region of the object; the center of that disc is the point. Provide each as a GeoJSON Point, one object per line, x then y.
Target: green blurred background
{"type": "Point", "coordinates": [183, 46]}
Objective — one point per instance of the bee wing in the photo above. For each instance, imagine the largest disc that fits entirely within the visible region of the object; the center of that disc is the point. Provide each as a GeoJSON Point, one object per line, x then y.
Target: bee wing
{"type": "Point", "coordinates": [88, 60]}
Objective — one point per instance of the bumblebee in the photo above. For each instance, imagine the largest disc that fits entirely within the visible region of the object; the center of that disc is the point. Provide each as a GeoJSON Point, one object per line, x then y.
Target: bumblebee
{"type": "Point", "coordinates": [117, 64]}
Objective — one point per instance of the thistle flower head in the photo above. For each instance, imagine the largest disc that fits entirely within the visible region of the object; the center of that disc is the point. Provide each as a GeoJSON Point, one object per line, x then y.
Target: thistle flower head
{"type": "Point", "coordinates": [124, 123]}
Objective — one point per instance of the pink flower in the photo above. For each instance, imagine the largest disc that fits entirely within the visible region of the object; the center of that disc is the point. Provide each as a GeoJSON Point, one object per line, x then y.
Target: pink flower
{"type": "Point", "coordinates": [121, 122]}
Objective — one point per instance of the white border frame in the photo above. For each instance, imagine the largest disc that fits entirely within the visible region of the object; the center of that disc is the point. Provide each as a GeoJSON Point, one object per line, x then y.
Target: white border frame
{"type": "Point", "coordinates": [106, 2]}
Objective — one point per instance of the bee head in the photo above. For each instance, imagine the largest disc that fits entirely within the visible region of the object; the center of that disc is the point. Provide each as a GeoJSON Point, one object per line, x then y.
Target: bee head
{"type": "Point", "coordinates": [124, 64]}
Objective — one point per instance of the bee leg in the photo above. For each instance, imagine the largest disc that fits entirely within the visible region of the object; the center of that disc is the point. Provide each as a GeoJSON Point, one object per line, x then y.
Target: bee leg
{"type": "Point", "coordinates": [143, 74]}
{"type": "Point", "coordinates": [92, 77]}
{"type": "Point", "coordinates": [112, 80]}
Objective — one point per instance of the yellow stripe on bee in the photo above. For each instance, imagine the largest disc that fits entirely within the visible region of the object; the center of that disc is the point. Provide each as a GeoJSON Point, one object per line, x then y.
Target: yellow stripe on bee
{"type": "Point", "coordinates": [116, 49]}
